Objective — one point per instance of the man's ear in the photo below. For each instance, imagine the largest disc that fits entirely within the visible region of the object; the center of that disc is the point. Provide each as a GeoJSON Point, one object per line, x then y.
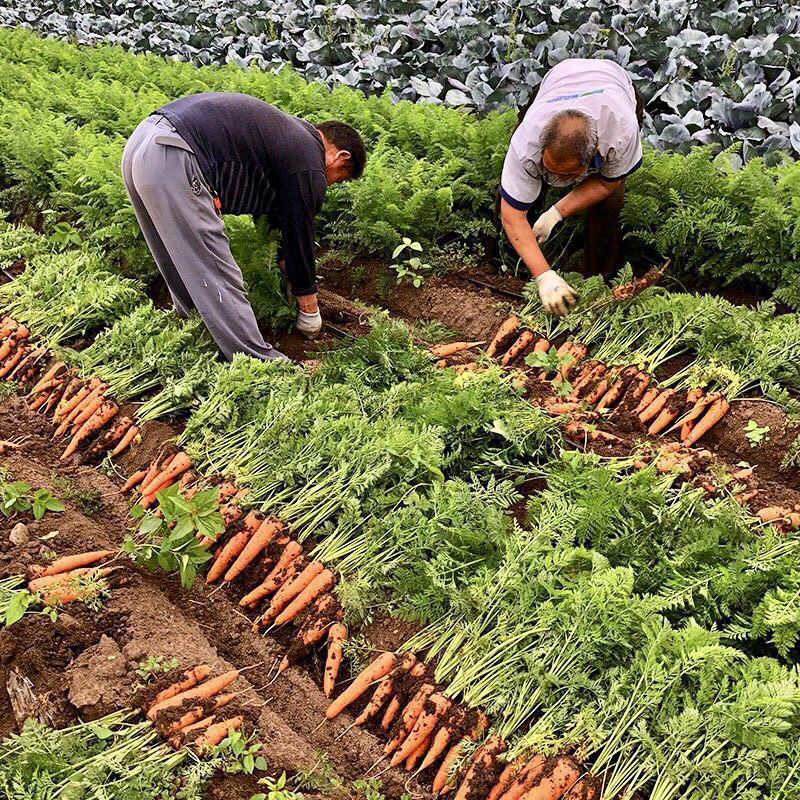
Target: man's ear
{"type": "Point", "coordinates": [343, 155]}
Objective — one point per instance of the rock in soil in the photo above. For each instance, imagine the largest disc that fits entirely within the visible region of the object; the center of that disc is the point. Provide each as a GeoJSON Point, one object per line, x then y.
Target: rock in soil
{"type": "Point", "coordinates": [19, 535]}
{"type": "Point", "coordinates": [98, 679]}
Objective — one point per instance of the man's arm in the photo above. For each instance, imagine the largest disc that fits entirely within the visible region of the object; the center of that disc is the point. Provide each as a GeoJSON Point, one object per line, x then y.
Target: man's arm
{"type": "Point", "coordinates": [555, 293]}
{"type": "Point", "coordinates": [586, 194]}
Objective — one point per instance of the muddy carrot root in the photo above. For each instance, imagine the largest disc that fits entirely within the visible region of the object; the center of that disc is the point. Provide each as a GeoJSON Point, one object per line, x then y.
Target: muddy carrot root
{"type": "Point", "coordinates": [617, 388]}
{"type": "Point", "coordinates": [112, 436]}
{"type": "Point", "coordinates": [505, 334]}
{"type": "Point", "coordinates": [436, 706]}
{"type": "Point", "coordinates": [524, 779]}
{"type": "Point", "coordinates": [290, 590]}
{"type": "Point", "coordinates": [583, 789]}
{"type": "Point", "coordinates": [438, 746]}
{"type": "Point", "coordinates": [48, 376]}
{"type": "Point", "coordinates": [265, 533]}
{"type": "Point", "coordinates": [518, 348]}
{"type": "Point", "coordinates": [205, 690]}
{"type": "Point", "coordinates": [189, 679]}
{"type": "Point", "coordinates": [104, 414]}
{"type": "Point", "coordinates": [87, 410]}
{"type": "Point", "coordinates": [68, 563]}
{"type": "Point", "coordinates": [647, 398]}
{"type": "Point", "coordinates": [280, 573]}
{"type": "Point", "coordinates": [391, 712]}
{"type": "Point", "coordinates": [507, 778]}
{"type": "Point", "coordinates": [216, 733]}
{"type": "Point", "coordinates": [411, 714]}
{"type": "Point", "coordinates": [415, 757]}
{"type": "Point", "coordinates": [179, 464]}
{"type": "Point", "coordinates": [382, 692]}
{"type": "Point", "coordinates": [668, 414]}
{"type": "Point", "coordinates": [317, 586]}
{"type": "Point", "coordinates": [655, 408]}
{"type": "Point", "coordinates": [37, 584]}
{"type": "Point", "coordinates": [196, 714]}
{"type": "Point", "coordinates": [336, 640]}
{"type": "Point", "coordinates": [555, 783]}
{"type": "Point", "coordinates": [450, 349]}
{"type": "Point", "coordinates": [227, 555]}
{"type": "Point", "coordinates": [442, 777]}
{"type": "Point", "coordinates": [134, 480]}
{"type": "Point", "coordinates": [377, 670]}
{"type": "Point", "coordinates": [71, 411]}
{"type": "Point", "coordinates": [12, 361]}
{"type": "Point", "coordinates": [594, 393]}
{"type": "Point", "coordinates": [714, 414]}
{"type": "Point", "coordinates": [484, 759]}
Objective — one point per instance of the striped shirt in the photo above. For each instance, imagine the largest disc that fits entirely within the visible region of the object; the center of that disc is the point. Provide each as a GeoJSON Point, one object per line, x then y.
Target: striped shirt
{"type": "Point", "coordinates": [259, 160]}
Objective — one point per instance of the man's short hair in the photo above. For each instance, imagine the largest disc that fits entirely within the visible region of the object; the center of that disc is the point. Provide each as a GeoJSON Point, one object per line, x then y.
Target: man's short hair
{"type": "Point", "coordinates": [344, 137]}
{"type": "Point", "coordinates": [570, 134]}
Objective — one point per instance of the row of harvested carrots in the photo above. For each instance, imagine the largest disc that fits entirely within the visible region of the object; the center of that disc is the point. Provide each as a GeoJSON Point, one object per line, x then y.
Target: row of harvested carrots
{"type": "Point", "coordinates": [185, 711]}
{"type": "Point", "coordinates": [600, 387]}
{"type": "Point", "coordinates": [425, 728]}
{"type": "Point", "coordinates": [78, 407]}
{"type": "Point", "coordinates": [301, 592]}
{"type": "Point", "coordinates": [69, 578]}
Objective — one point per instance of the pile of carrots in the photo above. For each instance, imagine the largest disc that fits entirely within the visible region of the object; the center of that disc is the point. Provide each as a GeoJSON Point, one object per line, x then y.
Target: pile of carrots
{"type": "Point", "coordinates": [69, 578]}
{"type": "Point", "coordinates": [162, 473]}
{"type": "Point", "coordinates": [425, 727]}
{"type": "Point", "coordinates": [623, 389]}
{"type": "Point", "coordinates": [80, 409]}
{"type": "Point", "coordinates": [185, 711]}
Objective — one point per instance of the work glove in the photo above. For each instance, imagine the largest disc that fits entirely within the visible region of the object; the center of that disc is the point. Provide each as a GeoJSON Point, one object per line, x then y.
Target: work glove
{"type": "Point", "coordinates": [543, 226]}
{"type": "Point", "coordinates": [555, 293]}
{"type": "Point", "coordinates": [309, 324]}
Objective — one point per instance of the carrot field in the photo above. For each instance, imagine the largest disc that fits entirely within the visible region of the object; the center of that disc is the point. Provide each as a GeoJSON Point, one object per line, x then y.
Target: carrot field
{"type": "Point", "coordinates": [455, 547]}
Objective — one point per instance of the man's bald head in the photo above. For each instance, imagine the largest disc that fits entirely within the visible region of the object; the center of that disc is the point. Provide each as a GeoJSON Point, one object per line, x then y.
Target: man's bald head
{"type": "Point", "coordinates": [568, 143]}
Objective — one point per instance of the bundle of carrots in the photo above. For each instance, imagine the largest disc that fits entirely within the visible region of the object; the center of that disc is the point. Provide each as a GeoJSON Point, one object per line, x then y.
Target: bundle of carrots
{"type": "Point", "coordinates": [625, 389]}
{"type": "Point", "coordinates": [69, 578]}
{"type": "Point", "coordinates": [15, 350]}
{"type": "Point", "coordinates": [444, 353]}
{"type": "Point", "coordinates": [785, 518]}
{"type": "Point", "coordinates": [81, 409]}
{"type": "Point", "coordinates": [185, 711]}
{"type": "Point", "coordinates": [162, 473]}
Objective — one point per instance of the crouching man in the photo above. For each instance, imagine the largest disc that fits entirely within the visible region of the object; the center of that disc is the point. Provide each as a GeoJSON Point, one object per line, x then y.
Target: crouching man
{"type": "Point", "coordinates": [211, 154]}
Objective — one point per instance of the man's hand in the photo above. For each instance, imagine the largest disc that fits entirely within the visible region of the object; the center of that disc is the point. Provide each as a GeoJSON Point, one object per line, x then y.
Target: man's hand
{"type": "Point", "coordinates": [555, 293]}
{"type": "Point", "coordinates": [309, 320]}
{"type": "Point", "coordinates": [543, 226]}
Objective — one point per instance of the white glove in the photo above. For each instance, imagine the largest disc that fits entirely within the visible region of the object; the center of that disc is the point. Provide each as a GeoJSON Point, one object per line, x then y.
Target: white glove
{"type": "Point", "coordinates": [543, 226]}
{"type": "Point", "coordinates": [555, 293]}
{"type": "Point", "coordinates": [309, 324]}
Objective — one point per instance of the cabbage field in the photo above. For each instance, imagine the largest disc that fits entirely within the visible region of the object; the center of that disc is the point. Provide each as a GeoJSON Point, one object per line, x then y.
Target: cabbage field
{"type": "Point", "coordinates": [455, 547]}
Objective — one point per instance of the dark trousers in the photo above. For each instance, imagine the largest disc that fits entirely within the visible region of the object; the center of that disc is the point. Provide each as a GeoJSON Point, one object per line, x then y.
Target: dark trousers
{"type": "Point", "coordinates": [602, 248]}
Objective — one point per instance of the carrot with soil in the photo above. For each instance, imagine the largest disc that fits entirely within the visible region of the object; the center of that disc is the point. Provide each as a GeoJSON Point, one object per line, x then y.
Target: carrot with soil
{"type": "Point", "coordinates": [718, 409]}
{"type": "Point", "coordinates": [265, 533]}
{"type": "Point", "coordinates": [189, 680]}
{"type": "Point", "coordinates": [216, 733]}
{"type": "Point", "coordinates": [451, 349]}
{"type": "Point", "coordinates": [378, 669]}
{"type": "Point", "coordinates": [336, 640]}
{"type": "Point", "coordinates": [504, 336]}
{"type": "Point", "coordinates": [283, 571]}
{"type": "Point", "coordinates": [68, 563]}
{"type": "Point", "coordinates": [203, 691]}
{"type": "Point", "coordinates": [104, 414]}
{"type": "Point", "coordinates": [318, 585]}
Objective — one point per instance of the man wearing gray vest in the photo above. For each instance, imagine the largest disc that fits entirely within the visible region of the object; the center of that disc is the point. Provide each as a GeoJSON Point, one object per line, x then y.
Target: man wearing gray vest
{"type": "Point", "coordinates": [217, 153]}
{"type": "Point", "coordinates": [581, 128]}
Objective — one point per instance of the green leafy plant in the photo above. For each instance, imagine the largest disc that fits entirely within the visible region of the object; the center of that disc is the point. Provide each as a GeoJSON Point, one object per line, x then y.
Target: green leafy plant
{"type": "Point", "coordinates": [552, 363]}
{"type": "Point", "coordinates": [239, 752]}
{"type": "Point", "coordinates": [754, 433]}
{"type": "Point", "coordinates": [14, 498]}
{"type": "Point", "coordinates": [276, 789]}
{"type": "Point", "coordinates": [168, 542]}
{"type": "Point", "coordinates": [43, 501]}
{"type": "Point", "coordinates": [411, 268]}
{"type": "Point", "coordinates": [153, 665]}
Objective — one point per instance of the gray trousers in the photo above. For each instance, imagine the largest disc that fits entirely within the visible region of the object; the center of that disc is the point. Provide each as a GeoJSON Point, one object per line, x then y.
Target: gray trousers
{"type": "Point", "coordinates": [187, 239]}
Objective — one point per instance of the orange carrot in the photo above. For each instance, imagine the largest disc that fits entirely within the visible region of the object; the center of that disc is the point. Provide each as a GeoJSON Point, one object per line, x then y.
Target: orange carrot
{"type": "Point", "coordinates": [541, 346]}
{"type": "Point", "coordinates": [525, 779]}
{"type": "Point", "coordinates": [415, 757]}
{"type": "Point", "coordinates": [654, 409]}
{"type": "Point", "coordinates": [190, 717]}
{"type": "Point", "coordinates": [47, 377]}
{"type": "Point", "coordinates": [436, 706]}
{"type": "Point", "coordinates": [442, 777]}
{"type": "Point", "coordinates": [61, 595]}
{"type": "Point", "coordinates": [336, 639]}
{"type": "Point", "coordinates": [772, 513]}
{"type": "Point", "coordinates": [12, 362]}
{"type": "Point", "coordinates": [392, 710]}
{"type": "Point", "coordinates": [204, 690]}
{"type": "Point", "coordinates": [134, 480]}
{"type": "Point", "coordinates": [505, 333]}
{"type": "Point", "coordinates": [71, 393]}
{"type": "Point", "coordinates": [647, 398]}
{"type": "Point", "coordinates": [86, 409]}
{"type": "Point", "coordinates": [68, 563]}
{"type": "Point", "coordinates": [227, 554]}
{"type": "Point", "coordinates": [595, 392]}
{"type": "Point", "coordinates": [617, 388]}
{"type": "Point", "coordinates": [317, 586]}
{"type": "Point", "coordinates": [37, 584]}
{"type": "Point", "coordinates": [112, 436]}
{"type": "Point", "coordinates": [177, 738]}
{"type": "Point", "coordinates": [555, 783]}
{"type": "Point", "coordinates": [666, 416]}
{"type": "Point", "coordinates": [280, 573]}
{"type": "Point", "coordinates": [290, 590]}
{"type": "Point", "coordinates": [583, 789]}
{"type": "Point", "coordinates": [106, 411]}
{"type": "Point", "coordinates": [378, 669]}
{"type": "Point", "coordinates": [445, 350]}
{"type": "Point", "coordinates": [714, 414]}
{"type": "Point", "coordinates": [216, 733]}
{"type": "Point", "coordinates": [266, 532]}
{"type": "Point", "coordinates": [518, 348]}
{"type": "Point", "coordinates": [382, 691]}
{"type": "Point", "coordinates": [410, 716]}
{"type": "Point", "coordinates": [191, 677]}
{"type": "Point", "coordinates": [10, 344]}
{"type": "Point", "coordinates": [688, 422]}
{"type": "Point", "coordinates": [589, 377]}
{"type": "Point", "coordinates": [438, 746]}
{"type": "Point", "coordinates": [483, 760]}
{"type": "Point", "coordinates": [507, 778]}
{"type": "Point", "coordinates": [562, 408]}
{"type": "Point", "coordinates": [179, 464]}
